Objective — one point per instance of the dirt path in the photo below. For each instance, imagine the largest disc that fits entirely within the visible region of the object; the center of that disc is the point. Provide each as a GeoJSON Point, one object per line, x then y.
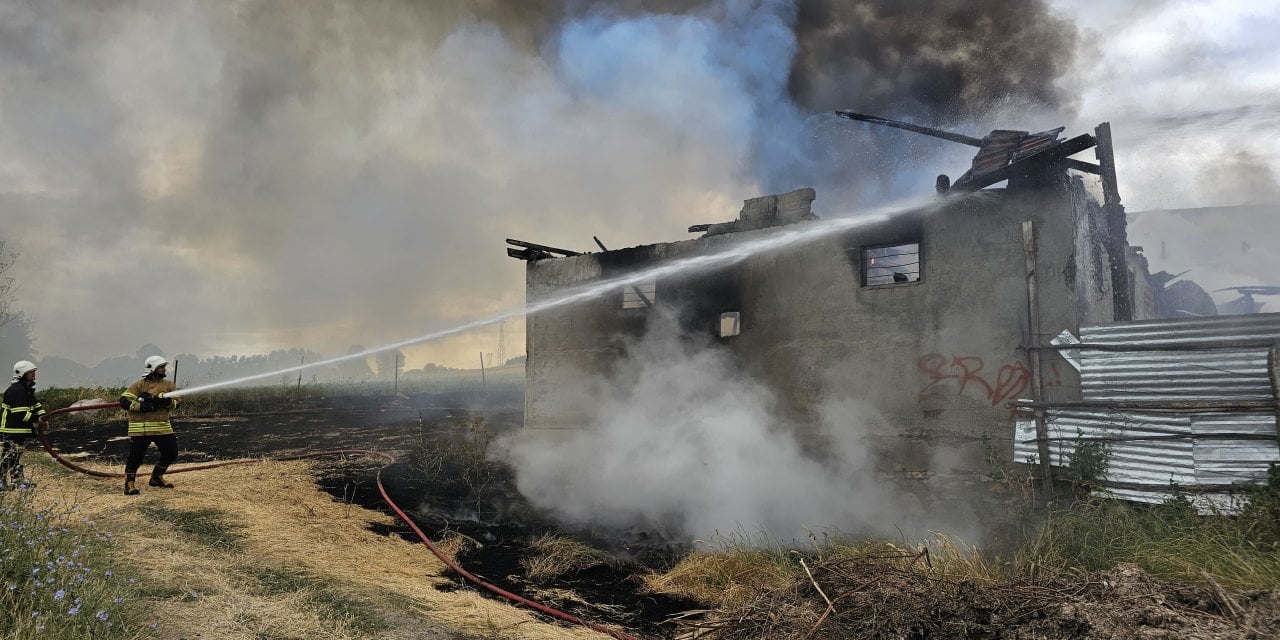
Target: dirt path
{"type": "Point", "coordinates": [259, 551]}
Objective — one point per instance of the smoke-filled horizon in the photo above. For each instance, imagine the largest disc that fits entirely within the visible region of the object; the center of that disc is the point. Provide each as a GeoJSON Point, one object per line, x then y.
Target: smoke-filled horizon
{"type": "Point", "coordinates": [235, 178]}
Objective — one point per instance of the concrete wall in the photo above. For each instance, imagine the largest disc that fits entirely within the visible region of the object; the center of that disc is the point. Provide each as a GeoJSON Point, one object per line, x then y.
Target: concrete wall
{"type": "Point", "coordinates": [936, 360]}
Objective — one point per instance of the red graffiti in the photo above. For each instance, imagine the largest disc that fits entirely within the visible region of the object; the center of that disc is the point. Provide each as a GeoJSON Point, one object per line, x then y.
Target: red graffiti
{"type": "Point", "coordinates": [961, 372]}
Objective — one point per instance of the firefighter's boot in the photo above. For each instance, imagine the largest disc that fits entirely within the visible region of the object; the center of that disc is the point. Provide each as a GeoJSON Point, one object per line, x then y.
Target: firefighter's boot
{"type": "Point", "coordinates": [157, 480]}
{"type": "Point", "coordinates": [130, 484]}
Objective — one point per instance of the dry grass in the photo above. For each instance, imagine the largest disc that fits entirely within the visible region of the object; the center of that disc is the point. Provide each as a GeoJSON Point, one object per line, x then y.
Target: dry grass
{"type": "Point", "coordinates": [845, 589]}
{"type": "Point", "coordinates": [552, 556]}
{"type": "Point", "coordinates": [298, 565]}
{"type": "Point", "coordinates": [724, 579]}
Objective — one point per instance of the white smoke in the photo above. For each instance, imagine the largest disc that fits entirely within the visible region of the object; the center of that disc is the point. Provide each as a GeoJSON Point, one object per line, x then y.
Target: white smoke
{"type": "Point", "coordinates": [682, 440]}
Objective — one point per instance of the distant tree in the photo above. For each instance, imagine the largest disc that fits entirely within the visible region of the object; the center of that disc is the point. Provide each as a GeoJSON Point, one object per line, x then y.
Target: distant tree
{"type": "Point", "coordinates": [148, 350]}
{"type": "Point", "coordinates": [15, 326]}
{"type": "Point", "coordinates": [517, 360]}
{"type": "Point", "coordinates": [8, 288]}
{"type": "Point", "coordinates": [389, 363]}
{"type": "Point", "coordinates": [354, 369]}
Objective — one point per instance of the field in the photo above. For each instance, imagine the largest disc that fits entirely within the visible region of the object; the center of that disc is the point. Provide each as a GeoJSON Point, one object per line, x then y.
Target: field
{"type": "Point", "coordinates": [305, 549]}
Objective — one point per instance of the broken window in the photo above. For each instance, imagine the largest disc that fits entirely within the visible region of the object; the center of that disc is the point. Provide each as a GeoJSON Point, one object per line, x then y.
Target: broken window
{"type": "Point", "coordinates": [639, 296]}
{"type": "Point", "coordinates": [891, 264]}
{"type": "Point", "coordinates": [730, 324]}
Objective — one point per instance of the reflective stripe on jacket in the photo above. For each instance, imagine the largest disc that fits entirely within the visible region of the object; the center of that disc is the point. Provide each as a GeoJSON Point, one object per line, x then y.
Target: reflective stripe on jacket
{"type": "Point", "coordinates": [20, 408]}
{"type": "Point", "coordinates": [150, 423]}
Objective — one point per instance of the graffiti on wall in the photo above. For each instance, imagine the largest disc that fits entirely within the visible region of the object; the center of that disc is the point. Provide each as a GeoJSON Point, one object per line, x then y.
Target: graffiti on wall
{"type": "Point", "coordinates": [958, 375]}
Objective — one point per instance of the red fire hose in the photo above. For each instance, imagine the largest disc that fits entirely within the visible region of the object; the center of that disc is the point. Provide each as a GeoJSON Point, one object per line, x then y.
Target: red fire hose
{"type": "Point", "coordinates": [388, 459]}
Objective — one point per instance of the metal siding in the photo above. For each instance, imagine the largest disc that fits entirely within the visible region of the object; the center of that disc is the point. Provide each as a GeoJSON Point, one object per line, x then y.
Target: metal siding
{"type": "Point", "coordinates": [1218, 448]}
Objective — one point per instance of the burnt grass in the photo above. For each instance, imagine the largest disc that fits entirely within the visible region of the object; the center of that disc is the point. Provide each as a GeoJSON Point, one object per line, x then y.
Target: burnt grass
{"type": "Point", "coordinates": [432, 488]}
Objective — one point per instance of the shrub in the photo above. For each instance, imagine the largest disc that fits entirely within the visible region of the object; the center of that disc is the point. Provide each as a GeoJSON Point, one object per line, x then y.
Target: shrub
{"type": "Point", "coordinates": [55, 577]}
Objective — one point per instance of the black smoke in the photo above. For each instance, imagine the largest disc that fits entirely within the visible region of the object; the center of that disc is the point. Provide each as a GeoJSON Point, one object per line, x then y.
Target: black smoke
{"type": "Point", "coordinates": [935, 61]}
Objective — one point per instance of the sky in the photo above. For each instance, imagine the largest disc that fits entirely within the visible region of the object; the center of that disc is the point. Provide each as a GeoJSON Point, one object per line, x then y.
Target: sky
{"type": "Point", "coordinates": [232, 178]}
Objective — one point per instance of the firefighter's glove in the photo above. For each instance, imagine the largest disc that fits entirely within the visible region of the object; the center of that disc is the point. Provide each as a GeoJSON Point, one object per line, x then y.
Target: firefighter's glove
{"type": "Point", "coordinates": [146, 402]}
{"type": "Point", "coordinates": [161, 402]}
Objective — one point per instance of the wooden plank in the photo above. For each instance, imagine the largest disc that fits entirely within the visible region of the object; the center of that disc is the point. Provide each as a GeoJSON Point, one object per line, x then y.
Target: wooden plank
{"type": "Point", "coordinates": [1033, 328]}
{"type": "Point", "coordinates": [543, 247]}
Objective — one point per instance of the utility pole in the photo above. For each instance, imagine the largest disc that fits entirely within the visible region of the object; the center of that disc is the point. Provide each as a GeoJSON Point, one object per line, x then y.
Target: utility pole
{"type": "Point", "coordinates": [484, 386]}
{"type": "Point", "coordinates": [175, 372]}
{"type": "Point", "coordinates": [301, 361]}
{"type": "Point", "coordinates": [396, 391]}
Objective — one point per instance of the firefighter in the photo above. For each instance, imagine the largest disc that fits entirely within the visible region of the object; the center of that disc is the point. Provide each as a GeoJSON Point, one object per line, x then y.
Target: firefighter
{"type": "Point", "coordinates": [19, 413]}
{"type": "Point", "coordinates": [149, 405]}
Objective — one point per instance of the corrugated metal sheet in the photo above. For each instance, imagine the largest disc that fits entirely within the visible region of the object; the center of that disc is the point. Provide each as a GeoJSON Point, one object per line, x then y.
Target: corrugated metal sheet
{"type": "Point", "coordinates": [1179, 376]}
{"type": "Point", "coordinates": [1150, 452]}
{"type": "Point", "coordinates": [1002, 146]}
{"type": "Point", "coordinates": [997, 148]}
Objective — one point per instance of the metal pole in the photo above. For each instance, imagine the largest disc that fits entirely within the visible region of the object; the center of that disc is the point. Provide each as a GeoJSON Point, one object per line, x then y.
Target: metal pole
{"type": "Point", "coordinates": [175, 372]}
{"type": "Point", "coordinates": [301, 361]}
{"type": "Point", "coordinates": [1033, 327]}
{"type": "Point", "coordinates": [484, 386]}
{"type": "Point", "coordinates": [396, 388]}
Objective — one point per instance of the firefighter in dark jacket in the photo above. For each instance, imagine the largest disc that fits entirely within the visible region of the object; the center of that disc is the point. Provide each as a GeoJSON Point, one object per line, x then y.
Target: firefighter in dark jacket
{"type": "Point", "coordinates": [19, 413]}
{"type": "Point", "coordinates": [149, 405]}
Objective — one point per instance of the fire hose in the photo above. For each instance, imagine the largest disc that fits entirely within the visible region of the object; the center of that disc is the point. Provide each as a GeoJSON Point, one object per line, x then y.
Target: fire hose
{"type": "Point", "coordinates": [387, 459]}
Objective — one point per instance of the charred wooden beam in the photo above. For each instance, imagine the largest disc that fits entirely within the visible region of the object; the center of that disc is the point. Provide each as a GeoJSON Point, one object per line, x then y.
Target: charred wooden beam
{"type": "Point", "coordinates": [535, 251]}
{"type": "Point", "coordinates": [1081, 165]}
{"type": "Point", "coordinates": [1034, 162]}
{"type": "Point", "coordinates": [1156, 407]}
{"type": "Point", "coordinates": [907, 126]}
{"type": "Point", "coordinates": [640, 294]}
{"type": "Point", "coordinates": [699, 228]}
{"type": "Point", "coordinates": [1117, 241]}
{"type": "Point", "coordinates": [528, 255]}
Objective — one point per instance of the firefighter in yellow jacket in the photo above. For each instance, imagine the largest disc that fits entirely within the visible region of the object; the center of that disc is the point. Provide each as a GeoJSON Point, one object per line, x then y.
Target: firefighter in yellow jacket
{"type": "Point", "coordinates": [19, 412]}
{"type": "Point", "coordinates": [149, 405]}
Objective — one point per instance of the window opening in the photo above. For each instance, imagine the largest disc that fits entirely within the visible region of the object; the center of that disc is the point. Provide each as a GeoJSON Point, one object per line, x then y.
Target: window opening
{"type": "Point", "coordinates": [890, 265]}
{"type": "Point", "coordinates": [639, 296]}
{"type": "Point", "coordinates": [730, 324]}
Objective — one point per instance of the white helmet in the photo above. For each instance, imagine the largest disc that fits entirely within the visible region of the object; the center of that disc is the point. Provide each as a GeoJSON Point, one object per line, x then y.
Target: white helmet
{"type": "Point", "coordinates": [21, 368]}
{"type": "Point", "coordinates": [153, 363]}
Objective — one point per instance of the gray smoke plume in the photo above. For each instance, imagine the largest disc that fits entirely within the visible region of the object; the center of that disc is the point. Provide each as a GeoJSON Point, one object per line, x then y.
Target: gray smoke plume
{"type": "Point", "coordinates": [682, 442]}
{"type": "Point", "coordinates": [234, 177]}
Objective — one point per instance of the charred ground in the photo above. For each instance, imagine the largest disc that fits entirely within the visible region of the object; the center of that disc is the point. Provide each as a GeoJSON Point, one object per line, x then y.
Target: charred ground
{"type": "Point", "coordinates": [441, 477]}
{"type": "Point", "coordinates": [457, 495]}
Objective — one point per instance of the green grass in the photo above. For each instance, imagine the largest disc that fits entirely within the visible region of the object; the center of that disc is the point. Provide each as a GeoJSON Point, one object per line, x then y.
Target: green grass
{"type": "Point", "coordinates": [1169, 541]}
{"type": "Point", "coordinates": [57, 580]}
{"type": "Point", "coordinates": [208, 527]}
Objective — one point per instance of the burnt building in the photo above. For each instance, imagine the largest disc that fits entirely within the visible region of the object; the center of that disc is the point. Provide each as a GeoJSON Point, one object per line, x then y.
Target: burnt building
{"type": "Point", "coordinates": [941, 318]}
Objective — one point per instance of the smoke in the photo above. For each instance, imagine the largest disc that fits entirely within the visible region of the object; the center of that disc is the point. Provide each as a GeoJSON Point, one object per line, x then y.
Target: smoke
{"type": "Point", "coordinates": [237, 177]}
{"type": "Point", "coordinates": [683, 442]}
{"type": "Point", "coordinates": [951, 61]}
